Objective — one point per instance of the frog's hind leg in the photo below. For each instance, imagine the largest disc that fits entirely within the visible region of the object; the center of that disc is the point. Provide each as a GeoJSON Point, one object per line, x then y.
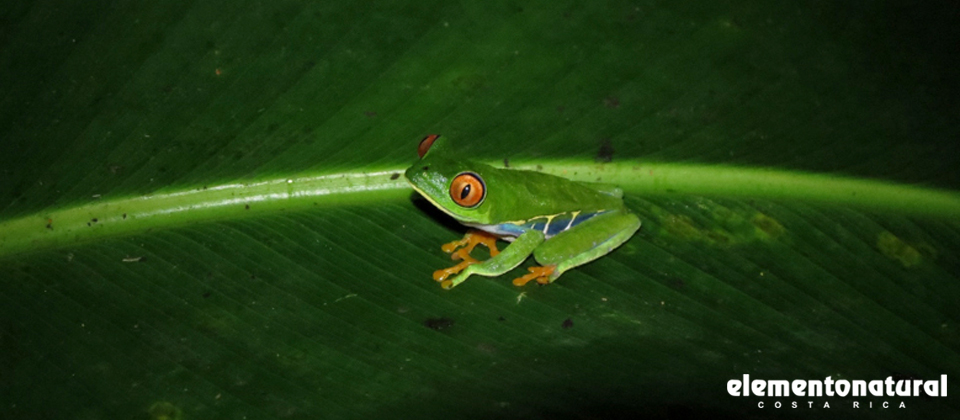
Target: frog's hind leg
{"type": "Point", "coordinates": [584, 243]}
{"type": "Point", "coordinates": [512, 256]}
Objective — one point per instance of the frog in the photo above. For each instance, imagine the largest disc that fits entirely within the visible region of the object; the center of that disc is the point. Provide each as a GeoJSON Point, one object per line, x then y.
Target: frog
{"type": "Point", "coordinates": [562, 223]}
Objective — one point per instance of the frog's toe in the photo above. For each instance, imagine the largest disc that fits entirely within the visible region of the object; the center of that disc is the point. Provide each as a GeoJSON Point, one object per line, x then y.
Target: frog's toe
{"type": "Point", "coordinates": [445, 273]}
{"type": "Point", "coordinates": [463, 254]}
{"type": "Point", "coordinates": [540, 274]}
{"type": "Point", "coordinates": [449, 247]}
{"type": "Point", "coordinates": [470, 241]}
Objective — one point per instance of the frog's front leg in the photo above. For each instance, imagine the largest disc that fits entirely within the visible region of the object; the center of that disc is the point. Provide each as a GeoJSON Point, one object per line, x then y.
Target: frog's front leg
{"type": "Point", "coordinates": [460, 250]}
{"type": "Point", "coordinates": [507, 260]}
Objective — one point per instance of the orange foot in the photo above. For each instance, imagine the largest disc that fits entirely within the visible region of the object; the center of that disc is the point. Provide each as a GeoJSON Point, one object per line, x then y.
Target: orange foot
{"type": "Point", "coordinates": [466, 245]}
{"type": "Point", "coordinates": [470, 241]}
{"type": "Point", "coordinates": [541, 274]}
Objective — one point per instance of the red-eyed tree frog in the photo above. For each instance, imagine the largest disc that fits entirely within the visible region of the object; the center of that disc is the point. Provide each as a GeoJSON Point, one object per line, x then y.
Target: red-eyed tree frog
{"type": "Point", "coordinates": [563, 223]}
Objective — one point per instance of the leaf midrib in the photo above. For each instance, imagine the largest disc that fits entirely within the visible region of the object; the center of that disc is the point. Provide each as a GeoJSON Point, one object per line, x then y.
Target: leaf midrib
{"type": "Point", "coordinates": [110, 217]}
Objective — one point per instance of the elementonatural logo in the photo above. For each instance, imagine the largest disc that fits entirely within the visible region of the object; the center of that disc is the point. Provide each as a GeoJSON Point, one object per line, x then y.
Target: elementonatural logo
{"type": "Point", "coordinates": [787, 392]}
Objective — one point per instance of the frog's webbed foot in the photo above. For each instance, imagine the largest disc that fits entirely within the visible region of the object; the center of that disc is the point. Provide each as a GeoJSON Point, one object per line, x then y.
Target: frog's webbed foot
{"type": "Point", "coordinates": [460, 250]}
{"type": "Point", "coordinates": [470, 241]}
{"type": "Point", "coordinates": [541, 274]}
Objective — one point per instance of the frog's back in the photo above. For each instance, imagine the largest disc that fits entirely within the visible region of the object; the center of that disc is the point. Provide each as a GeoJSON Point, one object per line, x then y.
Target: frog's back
{"type": "Point", "coordinates": [545, 202]}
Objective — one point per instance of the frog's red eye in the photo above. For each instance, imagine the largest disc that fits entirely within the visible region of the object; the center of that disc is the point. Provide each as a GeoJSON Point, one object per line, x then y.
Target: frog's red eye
{"type": "Point", "coordinates": [426, 143]}
{"type": "Point", "coordinates": [467, 189]}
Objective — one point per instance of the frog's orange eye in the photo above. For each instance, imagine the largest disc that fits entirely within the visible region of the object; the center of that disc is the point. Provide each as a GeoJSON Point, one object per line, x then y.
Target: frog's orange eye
{"type": "Point", "coordinates": [426, 143]}
{"type": "Point", "coordinates": [467, 189]}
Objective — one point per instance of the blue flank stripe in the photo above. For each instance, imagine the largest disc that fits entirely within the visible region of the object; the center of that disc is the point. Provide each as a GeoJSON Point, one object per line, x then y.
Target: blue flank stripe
{"type": "Point", "coordinates": [537, 224]}
{"type": "Point", "coordinates": [559, 224]}
{"type": "Point", "coordinates": [506, 229]}
{"type": "Point", "coordinates": [562, 224]}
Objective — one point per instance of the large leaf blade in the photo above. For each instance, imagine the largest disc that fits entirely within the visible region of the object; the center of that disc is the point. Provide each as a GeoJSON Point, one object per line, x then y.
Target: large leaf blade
{"type": "Point", "coordinates": [728, 124]}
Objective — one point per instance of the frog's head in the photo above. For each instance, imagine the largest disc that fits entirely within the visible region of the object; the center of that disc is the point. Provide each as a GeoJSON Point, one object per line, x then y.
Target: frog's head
{"type": "Point", "coordinates": [454, 185]}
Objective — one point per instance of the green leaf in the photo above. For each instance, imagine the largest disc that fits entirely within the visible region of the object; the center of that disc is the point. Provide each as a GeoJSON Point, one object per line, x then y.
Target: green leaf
{"type": "Point", "coordinates": [201, 213]}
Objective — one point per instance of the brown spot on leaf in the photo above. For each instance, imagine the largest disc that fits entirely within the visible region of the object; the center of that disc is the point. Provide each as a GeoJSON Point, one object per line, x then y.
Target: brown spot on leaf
{"type": "Point", "coordinates": [611, 102]}
{"type": "Point", "coordinates": [605, 153]}
{"type": "Point", "coordinates": [438, 323]}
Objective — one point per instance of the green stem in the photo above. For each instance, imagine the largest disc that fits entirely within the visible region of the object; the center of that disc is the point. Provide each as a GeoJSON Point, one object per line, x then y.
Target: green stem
{"type": "Point", "coordinates": [765, 183]}
{"type": "Point", "coordinates": [124, 216]}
